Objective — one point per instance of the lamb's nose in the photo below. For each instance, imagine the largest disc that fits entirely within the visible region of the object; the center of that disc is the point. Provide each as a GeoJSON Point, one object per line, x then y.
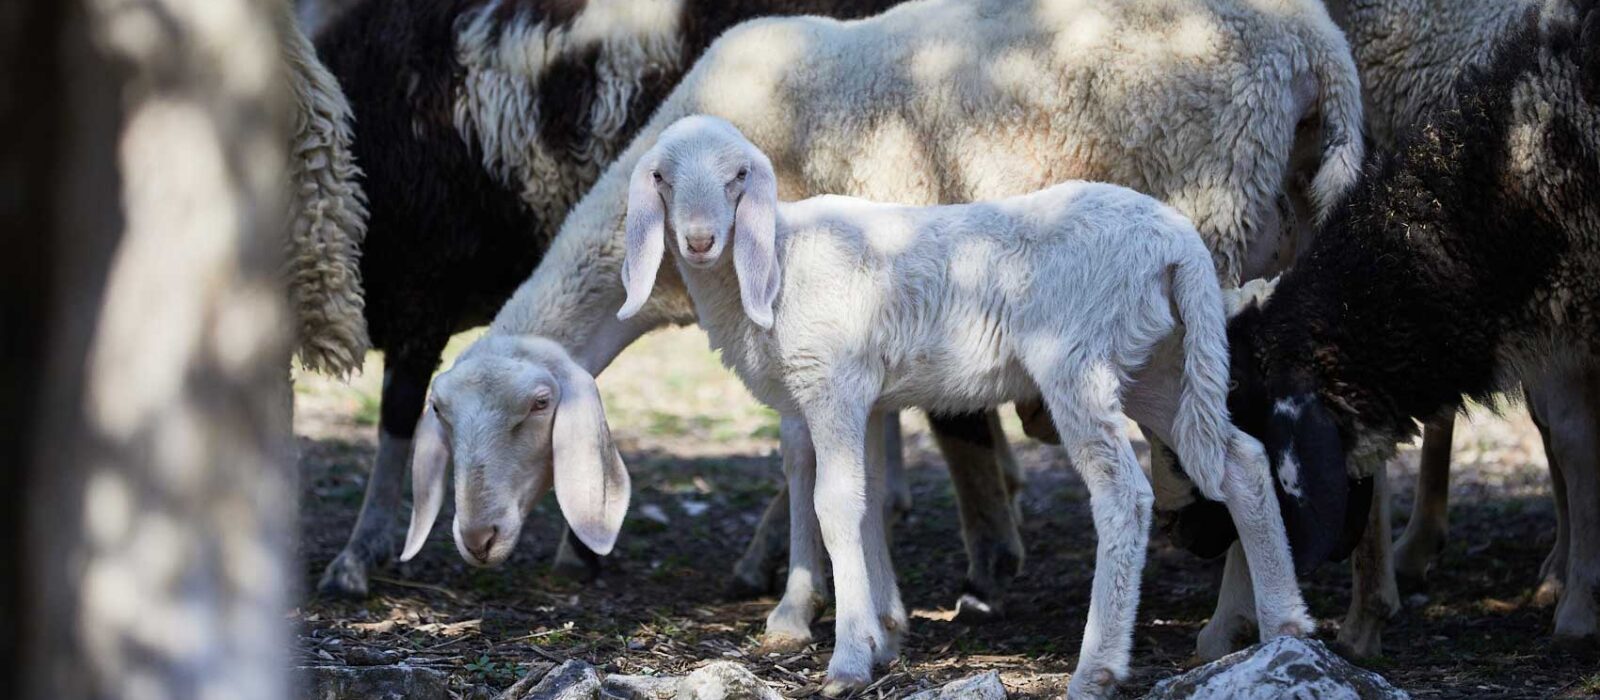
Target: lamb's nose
{"type": "Point", "coordinates": [478, 540]}
{"type": "Point", "coordinates": [699, 244]}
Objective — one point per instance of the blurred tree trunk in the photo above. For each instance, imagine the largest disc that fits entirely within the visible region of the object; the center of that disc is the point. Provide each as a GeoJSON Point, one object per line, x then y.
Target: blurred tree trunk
{"type": "Point", "coordinates": [147, 485]}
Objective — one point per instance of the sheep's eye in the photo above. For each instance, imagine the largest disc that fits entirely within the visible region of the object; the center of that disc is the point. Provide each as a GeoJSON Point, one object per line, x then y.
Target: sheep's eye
{"type": "Point", "coordinates": [657, 175]}
{"type": "Point", "coordinates": [438, 411]}
{"type": "Point", "coordinates": [540, 403]}
{"type": "Point", "coordinates": [743, 172]}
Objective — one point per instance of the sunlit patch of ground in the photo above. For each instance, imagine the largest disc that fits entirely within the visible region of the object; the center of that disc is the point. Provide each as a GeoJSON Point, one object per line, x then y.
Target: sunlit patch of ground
{"type": "Point", "coordinates": [703, 452]}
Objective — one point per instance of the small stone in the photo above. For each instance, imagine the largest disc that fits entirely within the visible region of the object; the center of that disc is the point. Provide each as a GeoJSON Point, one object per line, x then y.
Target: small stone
{"type": "Point", "coordinates": [367, 656]}
{"type": "Point", "coordinates": [654, 513]}
{"type": "Point", "coordinates": [724, 680]}
{"type": "Point", "coordinates": [573, 680]}
{"type": "Point", "coordinates": [399, 682]}
{"type": "Point", "coordinates": [1286, 667]}
{"type": "Point", "coordinates": [984, 686]}
{"type": "Point", "coordinates": [619, 687]}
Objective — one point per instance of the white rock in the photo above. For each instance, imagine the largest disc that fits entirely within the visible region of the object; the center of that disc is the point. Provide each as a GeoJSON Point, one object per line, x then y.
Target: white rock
{"type": "Point", "coordinates": [984, 686]}
{"type": "Point", "coordinates": [724, 680]}
{"type": "Point", "coordinates": [1286, 667]}
{"type": "Point", "coordinates": [620, 687]}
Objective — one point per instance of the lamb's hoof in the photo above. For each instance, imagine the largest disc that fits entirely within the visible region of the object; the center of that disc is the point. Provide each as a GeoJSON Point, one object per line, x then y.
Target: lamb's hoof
{"type": "Point", "coordinates": [745, 586]}
{"type": "Point", "coordinates": [780, 643]}
{"type": "Point", "coordinates": [838, 685]}
{"type": "Point", "coordinates": [972, 610]}
{"type": "Point", "coordinates": [1099, 683]}
{"type": "Point", "coordinates": [346, 577]}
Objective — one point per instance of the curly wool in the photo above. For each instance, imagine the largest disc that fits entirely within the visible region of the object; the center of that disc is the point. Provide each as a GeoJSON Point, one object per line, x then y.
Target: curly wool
{"type": "Point", "coordinates": [327, 218]}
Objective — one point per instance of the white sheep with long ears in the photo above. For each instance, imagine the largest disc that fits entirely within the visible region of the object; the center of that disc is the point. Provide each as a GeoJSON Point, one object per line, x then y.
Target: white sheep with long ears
{"type": "Point", "coordinates": [836, 309]}
{"type": "Point", "coordinates": [554, 421]}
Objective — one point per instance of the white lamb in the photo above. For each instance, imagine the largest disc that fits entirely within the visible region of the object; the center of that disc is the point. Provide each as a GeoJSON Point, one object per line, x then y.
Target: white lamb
{"type": "Point", "coordinates": [833, 308]}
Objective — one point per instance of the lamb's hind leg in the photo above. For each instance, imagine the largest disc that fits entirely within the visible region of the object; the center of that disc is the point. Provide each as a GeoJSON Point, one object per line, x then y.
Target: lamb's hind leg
{"type": "Point", "coordinates": [1088, 415]}
{"type": "Point", "coordinates": [1247, 487]}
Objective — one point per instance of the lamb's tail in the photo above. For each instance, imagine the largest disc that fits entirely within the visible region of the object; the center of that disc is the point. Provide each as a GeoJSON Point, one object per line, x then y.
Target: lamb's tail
{"type": "Point", "coordinates": [1339, 103]}
{"type": "Point", "coordinates": [1202, 429]}
{"type": "Point", "coordinates": [328, 218]}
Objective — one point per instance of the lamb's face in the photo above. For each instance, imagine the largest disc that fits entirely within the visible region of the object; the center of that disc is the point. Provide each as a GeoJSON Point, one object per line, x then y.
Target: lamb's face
{"type": "Point", "coordinates": [498, 413]}
{"type": "Point", "coordinates": [514, 418]}
{"type": "Point", "coordinates": [701, 177]}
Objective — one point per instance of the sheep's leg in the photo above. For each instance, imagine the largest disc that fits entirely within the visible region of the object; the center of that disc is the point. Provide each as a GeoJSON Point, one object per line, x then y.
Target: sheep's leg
{"type": "Point", "coordinates": [789, 624]}
{"type": "Point", "coordinates": [1089, 418]}
{"type": "Point", "coordinates": [886, 601]}
{"type": "Point", "coordinates": [754, 572]}
{"type": "Point", "coordinates": [983, 472]}
{"type": "Point", "coordinates": [1234, 618]}
{"type": "Point", "coordinates": [574, 559]}
{"type": "Point", "coordinates": [1420, 544]}
{"type": "Point", "coordinates": [848, 517]}
{"type": "Point", "coordinates": [1373, 594]}
{"type": "Point", "coordinates": [1553, 572]}
{"type": "Point", "coordinates": [1247, 488]}
{"type": "Point", "coordinates": [1570, 405]}
{"type": "Point", "coordinates": [375, 539]}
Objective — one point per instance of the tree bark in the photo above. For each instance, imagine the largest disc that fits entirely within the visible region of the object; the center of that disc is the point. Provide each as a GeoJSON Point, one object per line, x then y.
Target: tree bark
{"type": "Point", "coordinates": [146, 348]}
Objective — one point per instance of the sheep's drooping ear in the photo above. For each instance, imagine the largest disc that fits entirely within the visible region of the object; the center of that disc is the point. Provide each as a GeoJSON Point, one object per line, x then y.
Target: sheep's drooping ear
{"type": "Point", "coordinates": [645, 238]}
{"type": "Point", "coordinates": [430, 456]}
{"type": "Point", "coordinates": [591, 482]}
{"type": "Point", "coordinates": [755, 245]}
{"type": "Point", "coordinates": [1312, 480]}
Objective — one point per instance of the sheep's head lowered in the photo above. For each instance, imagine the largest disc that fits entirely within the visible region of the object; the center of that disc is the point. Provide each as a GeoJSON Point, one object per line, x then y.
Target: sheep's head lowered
{"type": "Point", "coordinates": [713, 189]}
{"type": "Point", "coordinates": [516, 417]}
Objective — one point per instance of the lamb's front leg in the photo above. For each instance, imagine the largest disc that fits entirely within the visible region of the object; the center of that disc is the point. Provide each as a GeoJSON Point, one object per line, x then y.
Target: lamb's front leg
{"type": "Point", "coordinates": [846, 512]}
{"type": "Point", "coordinates": [789, 624]}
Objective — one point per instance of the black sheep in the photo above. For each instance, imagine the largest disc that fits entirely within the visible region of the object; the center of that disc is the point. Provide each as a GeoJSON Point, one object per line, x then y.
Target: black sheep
{"type": "Point", "coordinates": [1466, 261]}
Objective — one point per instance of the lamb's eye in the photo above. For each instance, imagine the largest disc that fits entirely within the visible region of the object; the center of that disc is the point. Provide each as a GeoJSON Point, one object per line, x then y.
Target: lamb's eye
{"type": "Point", "coordinates": [438, 412]}
{"type": "Point", "coordinates": [540, 403]}
{"type": "Point", "coordinates": [657, 175]}
{"type": "Point", "coordinates": [743, 172]}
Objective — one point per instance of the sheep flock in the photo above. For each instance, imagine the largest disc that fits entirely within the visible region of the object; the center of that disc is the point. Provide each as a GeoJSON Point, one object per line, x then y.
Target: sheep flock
{"type": "Point", "coordinates": [1284, 242]}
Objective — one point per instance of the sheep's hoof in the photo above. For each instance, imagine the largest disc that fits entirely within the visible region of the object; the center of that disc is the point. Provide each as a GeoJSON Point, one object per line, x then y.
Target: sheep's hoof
{"type": "Point", "coordinates": [1360, 641]}
{"type": "Point", "coordinates": [779, 643]}
{"type": "Point", "coordinates": [346, 576]}
{"type": "Point", "coordinates": [1413, 559]}
{"type": "Point", "coordinates": [972, 610]}
{"type": "Point", "coordinates": [746, 585]}
{"type": "Point", "coordinates": [1549, 592]}
{"type": "Point", "coordinates": [838, 685]}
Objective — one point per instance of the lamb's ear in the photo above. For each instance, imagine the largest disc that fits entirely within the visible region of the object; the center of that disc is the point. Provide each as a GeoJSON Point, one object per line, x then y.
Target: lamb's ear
{"type": "Point", "coordinates": [430, 457]}
{"type": "Point", "coordinates": [645, 239]}
{"type": "Point", "coordinates": [755, 246]}
{"type": "Point", "coordinates": [591, 482]}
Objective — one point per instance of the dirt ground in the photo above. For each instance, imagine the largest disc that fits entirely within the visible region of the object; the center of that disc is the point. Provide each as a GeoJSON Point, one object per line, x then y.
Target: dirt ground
{"type": "Point", "coordinates": [704, 454]}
